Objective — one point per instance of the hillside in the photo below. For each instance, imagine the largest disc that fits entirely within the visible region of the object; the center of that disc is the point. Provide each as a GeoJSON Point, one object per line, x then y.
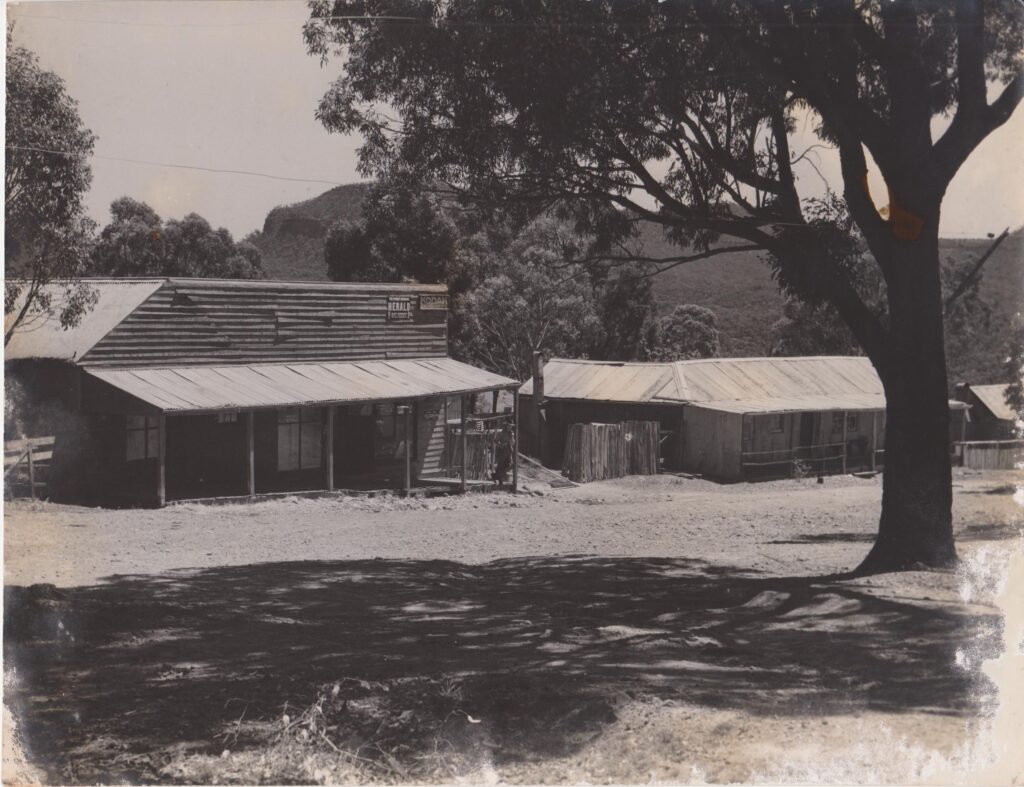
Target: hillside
{"type": "Point", "coordinates": [738, 287]}
{"type": "Point", "coordinates": [1002, 287]}
{"type": "Point", "coordinates": [292, 238]}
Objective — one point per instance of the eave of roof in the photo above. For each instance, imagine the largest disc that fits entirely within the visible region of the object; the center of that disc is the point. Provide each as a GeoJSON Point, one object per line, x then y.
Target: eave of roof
{"type": "Point", "coordinates": [195, 389]}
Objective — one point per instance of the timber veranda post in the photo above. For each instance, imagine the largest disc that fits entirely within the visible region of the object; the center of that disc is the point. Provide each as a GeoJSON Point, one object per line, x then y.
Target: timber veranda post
{"type": "Point", "coordinates": [161, 471]}
{"type": "Point", "coordinates": [250, 454]}
{"type": "Point", "coordinates": [462, 441]}
{"type": "Point", "coordinates": [329, 448]}
{"type": "Point", "coordinates": [406, 411]}
{"type": "Point", "coordinates": [844, 442]}
{"type": "Point", "coordinates": [515, 440]}
{"type": "Point", "coordinates": [874, 438]}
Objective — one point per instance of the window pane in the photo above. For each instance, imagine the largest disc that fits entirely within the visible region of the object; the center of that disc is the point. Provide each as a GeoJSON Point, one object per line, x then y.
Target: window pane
{"type": "Point", "coordinates": [311, 445]}
{"type": "Point", "coordinates": [152, 443]}
{"type": "Point", "coordinates": [386, 421]}
{"type": "Point", "coordinates": [137, 422]}
{"type": "Point", "coordinates": [136, 445]}
{"type": "Point", "coordinates": [289, 416]}
{"type": "Point", "coordinates": [288, 447]}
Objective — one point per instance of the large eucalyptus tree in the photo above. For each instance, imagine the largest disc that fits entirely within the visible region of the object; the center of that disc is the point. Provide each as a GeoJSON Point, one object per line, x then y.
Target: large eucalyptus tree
{"type": "Point", "coordinates": [681, 112]}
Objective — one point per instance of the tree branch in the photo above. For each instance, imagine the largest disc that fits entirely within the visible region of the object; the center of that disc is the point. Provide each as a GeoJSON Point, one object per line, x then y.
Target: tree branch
{"type": "Point", "coordinates": [961, 288]}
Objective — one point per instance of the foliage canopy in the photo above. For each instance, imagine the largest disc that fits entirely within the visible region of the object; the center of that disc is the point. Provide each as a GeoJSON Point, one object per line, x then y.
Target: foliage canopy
{"type": "Point", "coordinates": [46, 231]}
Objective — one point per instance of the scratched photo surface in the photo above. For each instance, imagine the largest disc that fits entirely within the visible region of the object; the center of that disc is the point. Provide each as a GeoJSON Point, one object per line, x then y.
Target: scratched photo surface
{"type": "Point", "coordinates": [513, 391]}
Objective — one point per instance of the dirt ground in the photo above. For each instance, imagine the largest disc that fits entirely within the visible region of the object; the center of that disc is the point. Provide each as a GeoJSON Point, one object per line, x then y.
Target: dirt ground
{"type": "Point", "coordinates": [641, 630]}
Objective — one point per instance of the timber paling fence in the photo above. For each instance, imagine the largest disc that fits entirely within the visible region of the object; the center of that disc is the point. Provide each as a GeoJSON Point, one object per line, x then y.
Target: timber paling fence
{"type": "Point", "coordinates": [990, 454]}
{"type": "Point", "coordinates": [594, 452]}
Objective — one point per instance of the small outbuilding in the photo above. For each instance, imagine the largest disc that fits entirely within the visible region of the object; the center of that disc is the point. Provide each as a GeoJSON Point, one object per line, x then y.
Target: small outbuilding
{"type": "Point", "coordinates": [173, 389]}
{"type": "Point", "coordinates": [991, 417]}
{"type": "Point", "coordinates": [724, 418]}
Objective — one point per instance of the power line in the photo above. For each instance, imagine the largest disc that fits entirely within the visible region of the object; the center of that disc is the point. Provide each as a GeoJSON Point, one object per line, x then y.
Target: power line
{"type": "Point", "coordinates": [251, 173]}
{"type": "Point", "coordinates": [446, 21]}
{"type": "Point", "coordinates": [196, 167]}
{"type": "Point", "coordinates": [247, 23]}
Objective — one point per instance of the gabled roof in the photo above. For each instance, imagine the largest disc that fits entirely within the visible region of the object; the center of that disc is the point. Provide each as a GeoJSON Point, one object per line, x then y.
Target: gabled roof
{"type": "Point", "coordinates": [43, 337]}
{"type": "Point", "coordinates": [993, 397]}
{"type": "Point", "coordinates": [739, 385]}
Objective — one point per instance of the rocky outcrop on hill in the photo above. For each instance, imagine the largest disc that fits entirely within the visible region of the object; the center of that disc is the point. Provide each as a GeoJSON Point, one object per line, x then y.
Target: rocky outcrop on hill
{"type": "Point", "coordinates": [292, 238]}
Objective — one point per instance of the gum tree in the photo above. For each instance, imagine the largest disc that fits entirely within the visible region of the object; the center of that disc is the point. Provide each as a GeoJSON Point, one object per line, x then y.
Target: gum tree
{"type": "Point", "coordinates": [46, 231]}
{"type": "Point", "coordinates": [681, 113]}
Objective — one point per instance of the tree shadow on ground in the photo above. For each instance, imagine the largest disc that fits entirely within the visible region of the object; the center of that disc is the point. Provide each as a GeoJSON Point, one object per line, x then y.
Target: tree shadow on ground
{"type": "Point", "coordinates": [994, 531]}
{"type": "Point", "coordinates": [543, 649]}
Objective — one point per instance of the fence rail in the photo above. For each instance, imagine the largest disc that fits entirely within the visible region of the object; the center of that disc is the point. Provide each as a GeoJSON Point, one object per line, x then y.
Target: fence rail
{"type": "Point", "coordinates": [824, 459]}
{"type": "Point", "coordinates": [989, 454]}
{"type": "Point", "coordinates": [28, 455]}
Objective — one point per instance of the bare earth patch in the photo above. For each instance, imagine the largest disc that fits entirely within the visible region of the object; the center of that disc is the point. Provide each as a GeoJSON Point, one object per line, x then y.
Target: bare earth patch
{"type": "Point", "coordinates": [646, 629]}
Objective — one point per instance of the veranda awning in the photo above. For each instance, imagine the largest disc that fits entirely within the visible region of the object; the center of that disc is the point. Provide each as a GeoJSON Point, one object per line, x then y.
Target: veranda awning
{"type": "Point", "coordinates": [184, 389]}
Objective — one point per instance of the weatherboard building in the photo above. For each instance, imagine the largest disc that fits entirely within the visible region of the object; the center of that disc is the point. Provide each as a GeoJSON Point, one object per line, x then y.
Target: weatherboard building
{"type": "Point", "coordinates": [174, 389]}
{"type": "Point", "coordinates": [730, 419]}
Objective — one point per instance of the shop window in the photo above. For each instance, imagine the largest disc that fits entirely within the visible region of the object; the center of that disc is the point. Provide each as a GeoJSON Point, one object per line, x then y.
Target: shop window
{"type": "Point", "coordinates": [852, 422]}
{"type": "Point", "coordinates": [143, 438]}
{"type": "Point", "coordinates": [386, 418]}
{"type": "Point", "coordinates": [227, 418]}
{"type": "Point", "coordinates": [391, 424]}
{"type": "Point", "coordinates": [299, 439]}
{"type": "Point", "coordinates": [779, 422]}
{"type": "Point", "coordinates": [837, 423]}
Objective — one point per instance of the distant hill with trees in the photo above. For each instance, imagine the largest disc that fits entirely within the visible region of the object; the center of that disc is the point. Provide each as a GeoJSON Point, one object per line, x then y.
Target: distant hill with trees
{"type": "Point", "coordinates": [738, 287]}
{"type": "Point", "coordinates": [292, 239]}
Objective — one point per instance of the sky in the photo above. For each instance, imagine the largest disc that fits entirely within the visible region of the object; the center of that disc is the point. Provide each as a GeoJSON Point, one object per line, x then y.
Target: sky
{"type": "Point", "coordinates": [229, 86]}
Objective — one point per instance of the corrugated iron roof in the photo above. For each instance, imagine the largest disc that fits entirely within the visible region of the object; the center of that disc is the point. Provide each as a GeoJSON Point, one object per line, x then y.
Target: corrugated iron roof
{"type": "Point", "coordinates": [176, 320]}
{"type": "Point", "coordinates": [994, 398]}
{"type": "Point", "coordinates": [739, 385]}
{"type": "Point", "coordinates": [601, 381]}
{"type": "Point", "coordinates": [181, 389]}
{"type": "Point", "coordinates": [43, 337]}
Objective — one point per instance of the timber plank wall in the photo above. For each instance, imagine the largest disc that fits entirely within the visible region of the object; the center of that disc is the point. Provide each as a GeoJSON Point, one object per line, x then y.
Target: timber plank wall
{"type": "Point", "coordinates": [217, 322]}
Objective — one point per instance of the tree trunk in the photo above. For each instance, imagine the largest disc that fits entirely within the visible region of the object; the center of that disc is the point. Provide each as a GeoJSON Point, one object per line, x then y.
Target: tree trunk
{"type": "Point", "coordinates": [916, 526]}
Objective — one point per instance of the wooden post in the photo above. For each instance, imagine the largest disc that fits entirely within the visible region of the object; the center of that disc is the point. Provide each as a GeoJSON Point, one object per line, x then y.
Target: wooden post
{"type": "Point", "coordinates": [515, 441]}
{"type": "Point", "coordinates": [31, 474]}
{"type": "Point", "coordinates": [406, 410]}
{"type": "Point", "coordinates": [447, 450]}
{"type": "Point", "coordinates": [538, 403]}
{"type": "Point", "coordinates": [250, 454]}
{"type": "Point", "coordinates": [161, 477]}
{"type": "Point", "coordinates": [329, 448]}
{"type": "Point", "coordinates": [844, 442]}
{"type": "Point", "coordinates": [874, 437]}
{"type": "Point", "coordinates": [462, 441]}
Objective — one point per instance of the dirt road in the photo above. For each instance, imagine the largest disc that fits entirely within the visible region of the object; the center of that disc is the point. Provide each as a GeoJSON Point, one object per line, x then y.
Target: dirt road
{"type": "Point", "coordinates": [746, 526]}
{"type": "Point", "coordinates": [640, 630]}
